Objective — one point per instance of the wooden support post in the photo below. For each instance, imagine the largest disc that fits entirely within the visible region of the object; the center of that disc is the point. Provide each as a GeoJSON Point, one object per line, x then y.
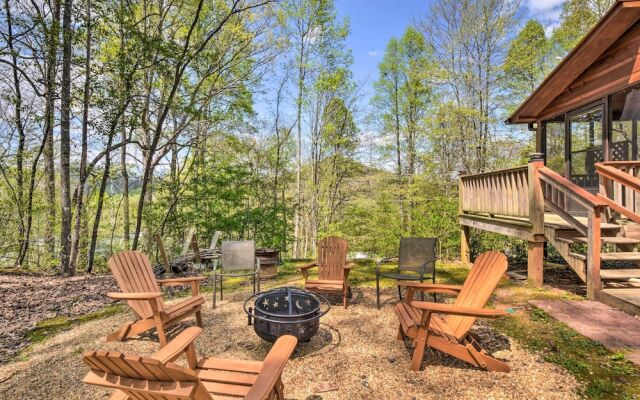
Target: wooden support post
{"type": "Point", "coordinates": [464, 230]}
{"type": "Point", "coordinates": [535, 253]}
{"type": "Point", "coordinates": [464, 244]}
{"type": "Point", "coordinates": [593, 254]}
{"type": "Point", "coordinates": [535, 263]}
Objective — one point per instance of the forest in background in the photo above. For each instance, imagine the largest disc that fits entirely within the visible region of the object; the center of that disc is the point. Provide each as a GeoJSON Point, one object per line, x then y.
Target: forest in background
{"type": "Point", "coordinates": [123, 119]}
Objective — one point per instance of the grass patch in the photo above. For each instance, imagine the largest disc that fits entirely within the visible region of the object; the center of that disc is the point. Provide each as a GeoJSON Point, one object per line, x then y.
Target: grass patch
{"type": "Point", "coordinates": [601, 373]}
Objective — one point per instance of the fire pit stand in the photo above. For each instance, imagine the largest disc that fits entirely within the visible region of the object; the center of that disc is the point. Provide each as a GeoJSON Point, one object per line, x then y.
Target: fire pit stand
{"type": "Point", "coordinates": [286, 311]}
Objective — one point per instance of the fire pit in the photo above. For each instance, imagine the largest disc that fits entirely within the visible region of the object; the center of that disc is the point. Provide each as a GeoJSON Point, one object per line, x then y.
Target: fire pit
{"type": "Point", "coordinates": [286, 311]}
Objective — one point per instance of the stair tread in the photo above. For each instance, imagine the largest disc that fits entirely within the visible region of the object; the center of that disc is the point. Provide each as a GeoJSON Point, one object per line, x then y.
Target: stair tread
{"type": "Point", "coordinates": [562, 226]}
{"type": "Point", "coordinates": [607, 239]}
{"type": "Point", "coordinates": [621, 256]}
{"type": "Point", "coordinates": [578, 256]}
{"type": "Point", "coordinates": [619, 274]}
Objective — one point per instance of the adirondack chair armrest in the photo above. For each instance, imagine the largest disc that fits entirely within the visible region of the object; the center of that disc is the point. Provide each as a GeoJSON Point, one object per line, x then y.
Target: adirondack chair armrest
{"type": "Point", "coordinates": [180, 281]}
{"type": "Point", "coordinates": [178, 346]}
{"type": "Point", "coordinates": [134, 296]}
{"type": "Point", "coordinates": [452, 309]}
{"type": "Point", "coordinates": [349, 266]}
{"type": "Point", "coordinates": [304, 269]}
{"type": "Point", "coordinates": [431, 287]}
{"type": "Point", "coordinates": [308, 265]}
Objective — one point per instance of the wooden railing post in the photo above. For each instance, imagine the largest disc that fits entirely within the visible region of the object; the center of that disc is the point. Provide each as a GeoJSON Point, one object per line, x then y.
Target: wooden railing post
{"type": "Point", "coordinates": [535, 250]}
{"type": "Point", "coordinates": [464, 230]}
{"type": "Point", "coordinates": [593, 254]}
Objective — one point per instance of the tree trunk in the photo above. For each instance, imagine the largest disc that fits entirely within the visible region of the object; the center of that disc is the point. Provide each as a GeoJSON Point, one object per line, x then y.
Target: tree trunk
{"type": "Point", "coordinates": [21, 136]}
{"type": "Point", "coordinates": [53, 41]}
{"type": "Point", "coordinates": [99, 205]}
{"type": "Point", "coordinates": [65, 141]}
{"type": "Point", "coordinates": [83, 153]}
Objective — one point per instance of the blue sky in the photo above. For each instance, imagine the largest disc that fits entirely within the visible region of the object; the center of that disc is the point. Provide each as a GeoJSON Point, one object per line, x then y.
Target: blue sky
{"type": "Point", "coordinates": [374, 22]}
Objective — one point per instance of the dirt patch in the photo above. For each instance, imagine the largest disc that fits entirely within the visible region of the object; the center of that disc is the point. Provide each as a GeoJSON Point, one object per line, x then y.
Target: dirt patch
{"type": "Point", "coordinates": [27, 300]}
{"type": "Point", "coordinates": [355, 348]}
{"type": "Point", "coordinates": [30, 299]}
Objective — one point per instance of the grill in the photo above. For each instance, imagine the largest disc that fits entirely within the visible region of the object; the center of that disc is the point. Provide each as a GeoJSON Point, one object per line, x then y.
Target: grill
{"type": "Point", "coordinates": [286, 311]}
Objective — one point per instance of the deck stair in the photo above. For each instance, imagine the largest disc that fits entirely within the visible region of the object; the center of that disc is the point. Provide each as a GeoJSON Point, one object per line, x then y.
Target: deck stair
{"type": "Point", "coordinates": [615, 248]}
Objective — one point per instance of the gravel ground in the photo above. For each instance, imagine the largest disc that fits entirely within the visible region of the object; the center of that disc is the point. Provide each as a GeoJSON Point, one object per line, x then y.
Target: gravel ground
{"type": "Point", "coordinates": [355, 348]}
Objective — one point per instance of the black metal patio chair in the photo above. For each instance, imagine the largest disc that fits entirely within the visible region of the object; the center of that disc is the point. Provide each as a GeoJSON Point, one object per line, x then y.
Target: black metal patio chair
{"type": "Point", "coordinates": [417, 260]}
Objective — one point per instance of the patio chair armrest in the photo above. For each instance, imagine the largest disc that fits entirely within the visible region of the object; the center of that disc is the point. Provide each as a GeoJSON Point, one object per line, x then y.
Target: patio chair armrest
{"type": "Point", "coordinates": [384, 260]}
{"type": "Point", "coordinates": [452, 309]}
{"type": "Point", "coordinates": [175, 348]}
{"type": "Point", "coordinates": [134, 296]}
{"type": "Point", "coordinates": [431, 287]}
{"type": "Point", "coordinates": [180, 281]}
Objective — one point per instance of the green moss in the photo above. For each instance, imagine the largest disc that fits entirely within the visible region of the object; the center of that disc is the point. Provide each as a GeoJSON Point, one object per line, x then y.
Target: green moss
{"type": "Point", "coordinates": [602, 374]}
{"type": "Point", "coordinates": [52, 326]}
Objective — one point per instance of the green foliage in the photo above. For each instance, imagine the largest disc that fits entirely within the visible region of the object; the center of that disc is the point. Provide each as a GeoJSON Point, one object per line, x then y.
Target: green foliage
{"type": "Point", "coordinates": [526, 63]}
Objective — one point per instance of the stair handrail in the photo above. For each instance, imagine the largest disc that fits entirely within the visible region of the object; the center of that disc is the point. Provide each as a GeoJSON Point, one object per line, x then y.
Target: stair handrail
{"type": "Point", "coordinates": [610, 170]}
{"type": "Point", "coordinates": [595, 206]}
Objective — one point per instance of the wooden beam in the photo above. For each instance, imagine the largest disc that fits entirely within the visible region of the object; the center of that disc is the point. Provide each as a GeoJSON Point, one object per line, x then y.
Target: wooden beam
{"type": "Point", "coordinates": [497, 226]}
{"type": "Point", "coordinates": [535, 263]}
{"type": "Point", "coordinates": [593, 255]}
{"type": "Point", "coordinates": [464, 244]}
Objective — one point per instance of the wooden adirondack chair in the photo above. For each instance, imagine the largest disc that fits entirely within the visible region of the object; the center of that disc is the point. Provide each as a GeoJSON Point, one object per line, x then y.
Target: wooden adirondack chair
{"type": "Point", "coordinates": [451, 333]}
{"type": "Point", "coordinates": [140, 288]}
{"type": "Point", "coordinates": [333, 269]}
{"type": "Point", "coordinates": [206, 379]}
{"type": "Point", "coordinates": [190, 250]}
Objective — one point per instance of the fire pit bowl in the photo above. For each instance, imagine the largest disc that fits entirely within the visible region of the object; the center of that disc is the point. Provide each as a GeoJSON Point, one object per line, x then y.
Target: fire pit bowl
{"type": "Point", "coordinates": [286, 311]}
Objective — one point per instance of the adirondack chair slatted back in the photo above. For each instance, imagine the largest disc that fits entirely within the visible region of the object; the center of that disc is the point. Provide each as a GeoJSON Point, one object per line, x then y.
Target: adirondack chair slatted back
{"type": "Point", "coordinates": [189, 242]}
{"type": "Point", "coordinates": [416, 252]}
{"type": "Point", "coordinates": [332, 257]}
{"type": "Point", "coordinates": [482, 280]}
{"type": "Point", "coordinates": [272, 368]}
{"type": "Point", "coordinates": [143, 378]}
{"type": "Point", "coordinates": [214, 240]}
{"type": "Point", "coordinates": [133, 274]}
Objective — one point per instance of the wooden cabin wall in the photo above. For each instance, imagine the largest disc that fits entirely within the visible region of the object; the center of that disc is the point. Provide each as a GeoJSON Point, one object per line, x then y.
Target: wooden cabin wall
{"type": "Point", "coordinates": [617, 68]}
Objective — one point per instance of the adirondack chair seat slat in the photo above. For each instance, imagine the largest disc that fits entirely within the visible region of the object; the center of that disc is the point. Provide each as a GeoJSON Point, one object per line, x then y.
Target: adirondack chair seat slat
{"type": "Point", "coordinates": [226, 389]}
{"type": "Point", "coordinates": [424, 323]}
{"type": "Point", "coordinates": [223, 364]}
{"type": "Point", "coordinates": [154, 378]}
{"type": "Point", "coordinates": [133, 273]}
{"type": "Point", "coordinates": [237, 378]}
{"type": "Point", "coordinates": [184, 307]}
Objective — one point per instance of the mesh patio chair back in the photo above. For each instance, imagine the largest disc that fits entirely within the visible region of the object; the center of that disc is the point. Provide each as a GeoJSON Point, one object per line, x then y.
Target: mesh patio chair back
{"type": "Point", "coordinates": [416, 252]}
{"type": "Point", "coordinates": [238, 255]}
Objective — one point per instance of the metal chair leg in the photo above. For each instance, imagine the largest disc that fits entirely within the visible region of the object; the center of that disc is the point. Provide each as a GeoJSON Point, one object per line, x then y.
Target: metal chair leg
{"type": "Point", "coordinates": [399, 291]}
{"type": "Point", "coordinates": [215, 283]}
{"type": "Point", "coordinates": [221, 287]}
{"type": "Point", "coordinates": [378, 291]}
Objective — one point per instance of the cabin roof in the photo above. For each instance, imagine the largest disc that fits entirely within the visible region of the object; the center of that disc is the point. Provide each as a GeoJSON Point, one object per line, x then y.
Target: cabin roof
{"type": "Point", "coordinates": [622, 15]}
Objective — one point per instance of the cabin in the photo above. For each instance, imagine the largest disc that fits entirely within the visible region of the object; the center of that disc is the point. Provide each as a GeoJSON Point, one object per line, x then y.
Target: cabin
{"type": "Point", "coordinates": [580, 191]}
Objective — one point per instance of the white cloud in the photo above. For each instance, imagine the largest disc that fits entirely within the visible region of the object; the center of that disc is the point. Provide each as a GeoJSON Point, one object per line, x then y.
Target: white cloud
{"type": "Point", "coordinates": [546, 11]}
{"type": "Point", "coordinates": [543, 5]}
{"type": "Point", "coordinates": [373, 53]}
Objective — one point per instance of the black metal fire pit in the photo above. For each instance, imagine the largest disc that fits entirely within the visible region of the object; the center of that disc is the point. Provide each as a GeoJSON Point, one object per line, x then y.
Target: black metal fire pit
{"type": "Point", "coordinates": [286, 311]}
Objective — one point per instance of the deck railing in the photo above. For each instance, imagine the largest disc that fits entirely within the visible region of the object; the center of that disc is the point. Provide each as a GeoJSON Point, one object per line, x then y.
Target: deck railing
{"type": "Point", "coordinates": [526, 192]}
{"type": "Point", "coordinates": [620, 187]}
{"type": "Point", "coordinates": [503, 192]}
